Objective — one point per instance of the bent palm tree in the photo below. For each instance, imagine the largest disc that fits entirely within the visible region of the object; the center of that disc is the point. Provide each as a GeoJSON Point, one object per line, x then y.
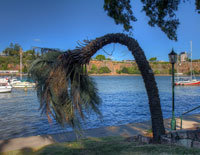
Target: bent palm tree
{"type": "Point", "coordinates": [65, 90]}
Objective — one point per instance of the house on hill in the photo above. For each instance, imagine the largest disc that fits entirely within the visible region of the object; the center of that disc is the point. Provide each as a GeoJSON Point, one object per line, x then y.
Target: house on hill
{"type": "Point", "coordinates": [183, 56]}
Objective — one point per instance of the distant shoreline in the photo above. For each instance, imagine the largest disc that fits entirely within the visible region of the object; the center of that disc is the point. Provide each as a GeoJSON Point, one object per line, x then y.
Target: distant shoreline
{"type": "Point", "coordinates": [103, 75]}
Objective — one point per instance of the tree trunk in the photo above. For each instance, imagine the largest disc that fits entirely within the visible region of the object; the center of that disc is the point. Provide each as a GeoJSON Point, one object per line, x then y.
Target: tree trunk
{"type": "Point", "coordinates": [83, 55]}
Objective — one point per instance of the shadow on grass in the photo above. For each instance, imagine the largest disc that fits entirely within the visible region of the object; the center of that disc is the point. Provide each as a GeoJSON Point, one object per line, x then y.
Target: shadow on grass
{"type": "Point", "coordinates": [87, 146]}
{"type": "Point", "coordinates": [112, 146]}
{"type": "Point", "coordinates": [26, 151]}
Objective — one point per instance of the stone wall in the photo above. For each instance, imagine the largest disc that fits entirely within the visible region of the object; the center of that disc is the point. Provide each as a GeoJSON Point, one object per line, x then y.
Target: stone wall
{"type": "Point", "coordinates": [187, 138]}
{"type": "Point", "coordinates": [162, 68]}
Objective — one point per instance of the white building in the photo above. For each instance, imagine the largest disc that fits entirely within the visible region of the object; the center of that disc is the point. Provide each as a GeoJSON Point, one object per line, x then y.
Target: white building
{"type": "Point", "coordinates": [183, 56]}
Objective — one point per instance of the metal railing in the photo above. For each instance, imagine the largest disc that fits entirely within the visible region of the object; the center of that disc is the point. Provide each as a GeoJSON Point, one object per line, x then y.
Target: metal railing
{"type": "Point", "coordinates": [187, 113]}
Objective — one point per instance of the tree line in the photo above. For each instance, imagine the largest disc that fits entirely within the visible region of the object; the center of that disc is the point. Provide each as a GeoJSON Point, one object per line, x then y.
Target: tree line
{"type": "Point", "coordinates": [11, 57]}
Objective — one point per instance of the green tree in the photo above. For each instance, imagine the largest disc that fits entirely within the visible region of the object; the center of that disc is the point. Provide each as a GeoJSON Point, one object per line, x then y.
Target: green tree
{"type": "Point", "coordinates": [108, 59]}
{"type": "Point", "coordinates": [12, 50]}
{"type": "Point", "coordinates": [25, 70]}
{"type": "Point", "coordinates": [30, 55]}
{"type": "Point", "coordinates": [161, 13]}
{"type": "Point", "coordinates": [153, 59]}
{"type": "Point", "coordinates": [100, 57]}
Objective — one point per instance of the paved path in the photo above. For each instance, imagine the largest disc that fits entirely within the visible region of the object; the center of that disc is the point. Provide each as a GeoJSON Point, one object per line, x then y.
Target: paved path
{"type": "Point", "coordinates": [127, 130]}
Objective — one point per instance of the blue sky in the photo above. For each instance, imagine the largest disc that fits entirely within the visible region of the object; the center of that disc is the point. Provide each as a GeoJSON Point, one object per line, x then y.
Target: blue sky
{"type": "Point", "coordinates": [61, 23]}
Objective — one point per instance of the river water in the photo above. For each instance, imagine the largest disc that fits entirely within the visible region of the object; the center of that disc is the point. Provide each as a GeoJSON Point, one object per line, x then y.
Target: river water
{"type": "Point", "coordinates": [124, 100]}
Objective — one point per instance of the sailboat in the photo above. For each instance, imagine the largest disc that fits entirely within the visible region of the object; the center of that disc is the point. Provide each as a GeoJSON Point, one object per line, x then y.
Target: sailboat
{"type": "Point", "coordinates": [21, 84]}
{"type": "Point", "coordinates": [5, 86]}
{"type": "Point", "coordinates": [187, 81]}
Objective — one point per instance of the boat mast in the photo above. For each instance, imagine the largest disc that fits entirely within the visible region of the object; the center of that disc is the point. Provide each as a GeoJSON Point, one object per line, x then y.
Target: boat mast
{"type": "Point", "coordinates": [20, 64]}
{"type": "Point", "coordinates": [191, 70]}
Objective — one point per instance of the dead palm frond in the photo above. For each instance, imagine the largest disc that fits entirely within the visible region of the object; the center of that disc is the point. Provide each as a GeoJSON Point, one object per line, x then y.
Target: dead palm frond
{"type": "Point", "coordinates": [64, 89]}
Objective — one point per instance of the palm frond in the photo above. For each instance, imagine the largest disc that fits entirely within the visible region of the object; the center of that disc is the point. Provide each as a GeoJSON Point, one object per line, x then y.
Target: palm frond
{"type": "Point", "coordinates": [64, 89]}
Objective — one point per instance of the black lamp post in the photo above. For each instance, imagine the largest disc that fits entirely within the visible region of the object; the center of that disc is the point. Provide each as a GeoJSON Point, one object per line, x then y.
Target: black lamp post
{"type": "Point", "coordinates": [173, 59]}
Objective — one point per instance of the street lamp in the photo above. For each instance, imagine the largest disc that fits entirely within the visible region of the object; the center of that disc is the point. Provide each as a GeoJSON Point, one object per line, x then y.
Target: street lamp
{"type": "Point", "coordinates": [173, 59]}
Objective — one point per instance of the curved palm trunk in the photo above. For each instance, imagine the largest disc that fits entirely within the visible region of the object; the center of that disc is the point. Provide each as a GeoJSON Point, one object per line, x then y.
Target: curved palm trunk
{"type": "Point", "coordinates": [83, 55]}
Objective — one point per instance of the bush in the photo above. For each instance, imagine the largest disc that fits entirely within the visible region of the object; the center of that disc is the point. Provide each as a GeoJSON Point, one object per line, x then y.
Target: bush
{"type": "Point", "coordinates": [4, 66]}
{"type": "Point", "coordinates": [124, 70]}
{"type": "Point", "coordinates": [170, 71]}
{"type": "Point", "coordinates": [104, 70]}
{"type": "Point", "coordinates": [93, 70]}
{"type": "Point", "coordinates": [156, 72]}
{"type": "Point", "coordinates": [118, 71]}
{"type": "Point", "coordinates": [130, 70]}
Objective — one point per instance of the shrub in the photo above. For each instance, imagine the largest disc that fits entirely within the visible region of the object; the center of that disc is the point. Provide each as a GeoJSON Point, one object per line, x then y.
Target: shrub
{"type": "Point", "coordinates": [93, 70]}
{"type": "Point", "coordinates": [130, 70]}
{"type": "Point", "coordinates": [170, 71]}
{"type": "Point", "coordinates": [124, 70]}
{"type": "Point", "coordinates": [156, 72]}
{"type": "Point", "coordinates": [104, 70]}
{"type": "Point", "coordinates": [118, 71]}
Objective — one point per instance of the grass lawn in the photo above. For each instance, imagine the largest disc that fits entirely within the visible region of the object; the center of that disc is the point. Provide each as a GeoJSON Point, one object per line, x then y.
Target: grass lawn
{"type": "Point", "coordinates": [105, 146]}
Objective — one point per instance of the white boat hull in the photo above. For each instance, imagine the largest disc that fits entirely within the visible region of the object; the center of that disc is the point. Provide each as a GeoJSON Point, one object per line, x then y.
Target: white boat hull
{"type": "Point", "coordinates": [23, 85]}
{"type": "Point", "coordinates": [5, 89]}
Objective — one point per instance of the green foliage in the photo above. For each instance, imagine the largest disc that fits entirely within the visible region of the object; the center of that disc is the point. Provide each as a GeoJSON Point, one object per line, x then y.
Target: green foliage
{"type": "Point", "coordinates": [156, 72]}
{"type": "Point", "coordinates": [170, 71]}
{"type": "Point", "coordinates": [124, 70]}
{"type": "Point", "coordinates": [163, 62]}
{"type": "Point", "coordinates": [194, 71]}
{"type": "Point", "coordinates": [153, 59]}
{"type": "Point", "coordinates": [4, 61]}
{"type": "Point", "coordinates": [118, 71]}
{"type": "Point", "coordinates": [13, 57]}
{"type": "Point", "coordinates": [93, 70]}
{"type": "Point", "coordinates": [120, 11]}
{"type": "Point", "coordinates": [104, 70]}
{"type": "Point", "coordinates": [4, 66]}
{"type": "Point", "coordinates": [161, 13]}
{"type": "Point", "coordinates": [12, 50]}
{"type": "Point", "coordinates": [196, 60]}
{"type": "Point", "coordinates": [129, 70]}
{"type": "Point", "coordinates": [197, 3]}
{"type": "Point", "coordinates": [100, 57]}
{"type": "Point", "coordinates": [24, 70]}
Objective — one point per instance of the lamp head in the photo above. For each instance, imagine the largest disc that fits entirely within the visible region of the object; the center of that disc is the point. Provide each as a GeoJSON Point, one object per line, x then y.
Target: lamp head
{"type": "Point", "coordinates": [172, 57]}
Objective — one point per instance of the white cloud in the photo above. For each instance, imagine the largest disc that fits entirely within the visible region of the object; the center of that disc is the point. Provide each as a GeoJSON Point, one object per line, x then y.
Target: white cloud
{"type": "Point", "coordinates": [36, 40]}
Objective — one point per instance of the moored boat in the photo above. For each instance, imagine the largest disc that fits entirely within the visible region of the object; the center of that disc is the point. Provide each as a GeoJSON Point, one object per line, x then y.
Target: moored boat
{"type": "Point", "coordinates": [24, 84]}
{"type": "Point", "coordinates": [192, 82]}
{"type": "Point", "coordinates": [187, 81]}
{"type": "Point", "coordinates": [5, 87]}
